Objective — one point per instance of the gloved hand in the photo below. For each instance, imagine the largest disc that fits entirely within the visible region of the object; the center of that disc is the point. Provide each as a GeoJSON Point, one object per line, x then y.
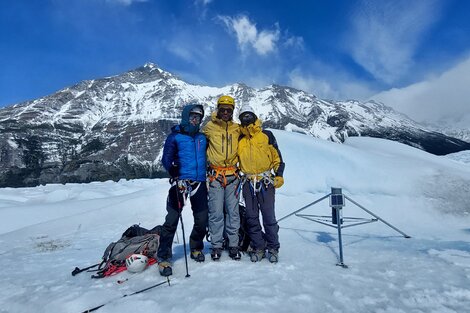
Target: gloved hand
{"type": "Point", "coordinates": [278, 181]}
{"type": "Point", "coordinates": [174, 170]}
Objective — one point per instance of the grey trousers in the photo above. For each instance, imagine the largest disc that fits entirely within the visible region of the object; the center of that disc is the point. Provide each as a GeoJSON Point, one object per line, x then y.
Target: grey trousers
{"type": "Point", "coordinates": [223, 212]}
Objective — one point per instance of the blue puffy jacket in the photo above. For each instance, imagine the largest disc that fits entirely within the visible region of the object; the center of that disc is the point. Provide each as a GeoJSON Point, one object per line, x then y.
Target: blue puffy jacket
{"type": "Point", "coordinates": [186, 148]}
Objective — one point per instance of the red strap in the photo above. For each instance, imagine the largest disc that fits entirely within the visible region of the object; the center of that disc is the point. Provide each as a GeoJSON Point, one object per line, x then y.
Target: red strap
{"type": "Point", "coordinates": [116, 269]}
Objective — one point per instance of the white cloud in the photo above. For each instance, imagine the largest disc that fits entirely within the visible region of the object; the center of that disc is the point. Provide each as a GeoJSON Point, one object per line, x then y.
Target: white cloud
{"type": "Point", "coordinates": [442, 98]}
{"type": "Point", "coordinates": [263, 42]}
{"type": "Point", "coordinates": [203, 2]}
{"type": "Point", "coordinates": [385, 35]}
{"type": "Point", "coordinates": [190, 47]}
{"type": "Point", "coordinates": [181, 51]}
{"type": "Point", "coordinates": [294, 42]}
{"type": "Point", "coordinates": [317, 86]}
{"type": "Point", "coordinates": [336, 86]}
{"type": "Point", "coordinates": [125, 2]}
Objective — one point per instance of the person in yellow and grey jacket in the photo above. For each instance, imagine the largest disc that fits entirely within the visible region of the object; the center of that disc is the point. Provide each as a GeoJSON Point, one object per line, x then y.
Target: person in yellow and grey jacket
{"type": "Point", "coordinates": [262, 166]}
{"type": "Point", "coordinates": [224, 218]}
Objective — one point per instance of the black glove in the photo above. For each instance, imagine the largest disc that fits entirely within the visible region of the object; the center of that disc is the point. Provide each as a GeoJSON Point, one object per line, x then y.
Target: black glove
{"type": "Point", "coordinates": [174, 170]}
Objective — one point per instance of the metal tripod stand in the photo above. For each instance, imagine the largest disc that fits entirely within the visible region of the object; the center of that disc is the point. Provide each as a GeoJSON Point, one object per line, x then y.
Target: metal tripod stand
{"type": "Point", "coordinates": [336, 220]}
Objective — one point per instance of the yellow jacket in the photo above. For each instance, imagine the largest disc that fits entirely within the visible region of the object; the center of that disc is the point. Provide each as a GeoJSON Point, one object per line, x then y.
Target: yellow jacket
{"type": "Point", "coordinates": [223, 143]}
{"type": "Point", "coordinates": [258, 151]}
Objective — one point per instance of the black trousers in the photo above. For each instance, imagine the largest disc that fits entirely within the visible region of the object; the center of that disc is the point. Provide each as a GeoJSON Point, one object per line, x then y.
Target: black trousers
{"type": "Point", "coordinates": [174, 206]}
{"type": "Point", "coordinates": [256, 202]}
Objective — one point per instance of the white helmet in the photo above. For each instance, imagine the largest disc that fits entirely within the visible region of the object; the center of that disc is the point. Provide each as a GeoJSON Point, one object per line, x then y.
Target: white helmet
{"type": "Point", "coordinates": [136, 263]}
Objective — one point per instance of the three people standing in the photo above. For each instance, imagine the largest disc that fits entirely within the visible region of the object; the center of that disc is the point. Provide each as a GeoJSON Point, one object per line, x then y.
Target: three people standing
{"type": "Point", "coordinates": [231, 148]}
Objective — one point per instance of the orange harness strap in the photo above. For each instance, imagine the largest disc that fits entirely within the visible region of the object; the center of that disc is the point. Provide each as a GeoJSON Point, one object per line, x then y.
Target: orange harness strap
{"type": "Point", "coordinates": [221, 171]}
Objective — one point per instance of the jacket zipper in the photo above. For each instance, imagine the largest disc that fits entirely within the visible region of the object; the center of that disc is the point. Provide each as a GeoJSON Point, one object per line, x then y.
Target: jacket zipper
{"type": "Point", "coordinates": [226, 134]}
{"type": "Point", "coordinates": [223, 140]}
{"type": "Point", "coordinates": [231, 145]}
{"type": "Point", "coordinates": [196, 148]}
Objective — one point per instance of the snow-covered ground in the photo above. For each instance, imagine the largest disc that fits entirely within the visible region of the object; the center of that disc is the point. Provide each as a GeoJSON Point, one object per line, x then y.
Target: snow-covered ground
{"type": "Point", "coordinates": [462, 156]}
{"type": "Point", "coordinates": [46, 231]}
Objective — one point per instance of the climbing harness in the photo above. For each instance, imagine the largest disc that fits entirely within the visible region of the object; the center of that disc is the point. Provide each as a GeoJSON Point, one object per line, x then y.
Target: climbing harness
{"type": "Point", "coordinates": [219, 173]}
{"type": "Point", "coordinates": [258, 180]}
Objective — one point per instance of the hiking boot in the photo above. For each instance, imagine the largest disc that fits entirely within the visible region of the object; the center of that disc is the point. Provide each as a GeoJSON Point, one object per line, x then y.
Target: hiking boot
{"type": "Point", "coordinates": [256, 255]}
{"type": "Point", "coordinates": [164, 267]}
{"type": "Point", "coordinates": [216, 254]}
{"type": "Point", "coordinates": [234, 253]}
{"type": "Point", "coordinates": [197, 256]}
{"type": "Point", "coordinates": [273, 255]}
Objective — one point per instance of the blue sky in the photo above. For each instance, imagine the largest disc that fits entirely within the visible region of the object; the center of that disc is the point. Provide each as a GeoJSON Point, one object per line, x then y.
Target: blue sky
{"type": "Point", "coordinates": [399, 52]}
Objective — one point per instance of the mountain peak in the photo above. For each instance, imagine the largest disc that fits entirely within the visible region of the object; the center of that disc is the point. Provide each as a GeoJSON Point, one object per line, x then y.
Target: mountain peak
{"type": "Point", "coordinates": [148, 68]}
{"type": "Point", "coordinates": [150, 65]}
{"type": "Point", "coordinates": [146, 73]}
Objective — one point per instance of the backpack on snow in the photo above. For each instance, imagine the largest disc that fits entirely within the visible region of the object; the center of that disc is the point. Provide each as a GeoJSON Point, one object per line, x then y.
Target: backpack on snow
{"type": "Point", "coordinates": [135, 240]}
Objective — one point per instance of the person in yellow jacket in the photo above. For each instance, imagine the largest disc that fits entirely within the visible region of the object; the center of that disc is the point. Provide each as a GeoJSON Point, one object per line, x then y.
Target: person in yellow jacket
{"type": "Point", "coordinates": [224, 218]}
{"type": "Point", "coordinates": [262, 166]}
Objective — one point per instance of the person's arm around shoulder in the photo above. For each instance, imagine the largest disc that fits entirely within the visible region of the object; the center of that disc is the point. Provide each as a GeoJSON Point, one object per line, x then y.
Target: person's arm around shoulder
{"type": "Point", "coordinates": [208, 129]}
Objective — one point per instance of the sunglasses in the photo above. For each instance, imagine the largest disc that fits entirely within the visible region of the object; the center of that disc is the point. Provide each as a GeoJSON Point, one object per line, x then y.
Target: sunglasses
{"type": "Point", "coordinates": [247, 118]}
{"type": "Point", "coordinates": [195, 117]}
{"type": "Point", "coordinates": [225, 110]}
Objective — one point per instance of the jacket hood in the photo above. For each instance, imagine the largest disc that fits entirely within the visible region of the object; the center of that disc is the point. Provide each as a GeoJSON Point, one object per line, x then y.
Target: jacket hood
{"type": "Point", "coordinates": [252, 129]}
{"type": "Point", "coordinates": [185, 126]}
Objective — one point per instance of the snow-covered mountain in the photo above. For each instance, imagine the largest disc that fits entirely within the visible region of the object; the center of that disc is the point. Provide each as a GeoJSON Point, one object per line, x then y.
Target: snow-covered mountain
{"type": "Point", "coordinates": [115, 127]}
{"type": "Point", "coordinates": [451, 129]}
{"type": "Point", "coordinates": [48, 230]}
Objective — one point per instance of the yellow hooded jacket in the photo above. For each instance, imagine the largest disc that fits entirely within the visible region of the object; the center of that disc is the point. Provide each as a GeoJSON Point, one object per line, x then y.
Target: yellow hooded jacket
{"type": "Point", "coordinates": [223, 143]}
{"type": "Point", "coordinates": [258, 151]}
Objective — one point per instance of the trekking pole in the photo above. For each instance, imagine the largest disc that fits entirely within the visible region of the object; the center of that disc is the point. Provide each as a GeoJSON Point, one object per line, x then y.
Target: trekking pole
{"type": "Point", "coordinates": [184, 247]}
{"type": "Point", "coordinates": [180, 208]}
{"type": "Point", "coordinates": [79, 270]}
{"type": "Point", "coordinates": [128, 295]}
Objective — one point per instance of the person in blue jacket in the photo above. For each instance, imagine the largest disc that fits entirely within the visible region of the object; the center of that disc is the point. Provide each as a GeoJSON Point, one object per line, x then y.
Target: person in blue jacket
{"type": "Point", "coordinates": [184, 157]}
